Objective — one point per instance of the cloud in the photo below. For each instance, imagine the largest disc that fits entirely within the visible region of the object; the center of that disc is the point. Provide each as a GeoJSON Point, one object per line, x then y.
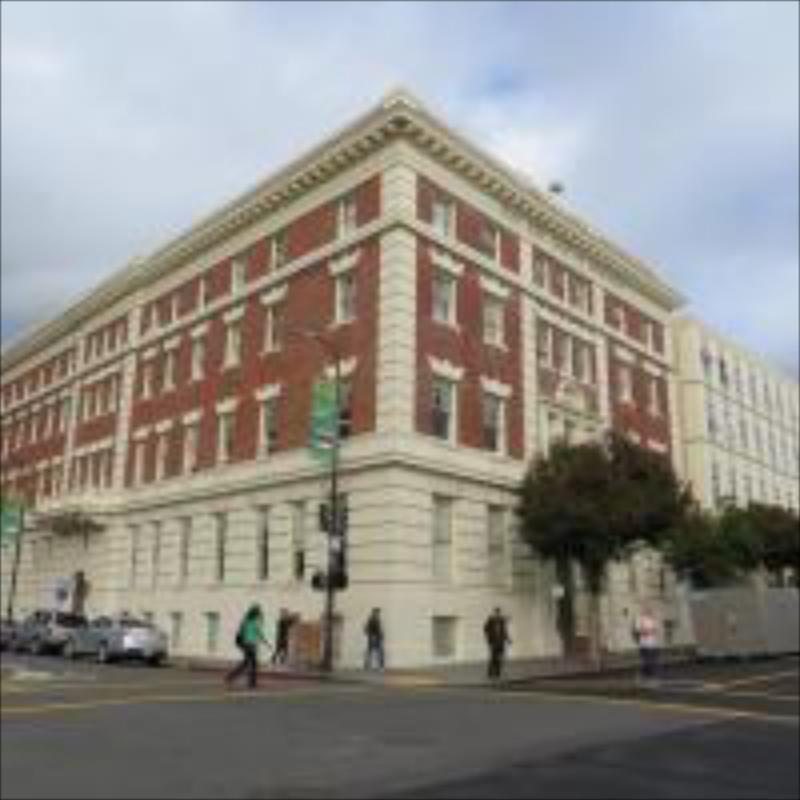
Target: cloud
{"type": "Point", "coordinates": [674, 127]}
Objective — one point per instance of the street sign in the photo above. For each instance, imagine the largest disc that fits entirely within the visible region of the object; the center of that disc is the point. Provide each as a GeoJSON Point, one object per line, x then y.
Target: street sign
{"type": "Point", "coordinates": [324, 419]}
{"type": "Point", "coordinates": [10, 520]}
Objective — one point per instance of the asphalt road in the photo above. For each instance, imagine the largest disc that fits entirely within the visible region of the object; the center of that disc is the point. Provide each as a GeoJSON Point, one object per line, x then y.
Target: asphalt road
{"type": "Point", "coordinates": [88, 731]}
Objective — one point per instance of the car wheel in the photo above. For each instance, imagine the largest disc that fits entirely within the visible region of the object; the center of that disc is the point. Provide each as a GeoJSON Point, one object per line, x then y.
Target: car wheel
{"type": "Point", "coordinates": [156, 661]}
{"type": "Point", "coordinates": [70, 651]}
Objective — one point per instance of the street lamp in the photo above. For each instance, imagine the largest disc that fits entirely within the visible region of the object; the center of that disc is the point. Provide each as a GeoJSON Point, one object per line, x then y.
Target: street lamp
{"type": "Point", "coordinates": [12, 461]}
{"type": "Point", "coordinates": [335, 528]}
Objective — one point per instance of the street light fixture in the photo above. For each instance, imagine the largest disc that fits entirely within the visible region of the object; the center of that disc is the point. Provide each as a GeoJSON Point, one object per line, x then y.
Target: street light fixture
{"type": "Point", "coordinates": [334, 528]}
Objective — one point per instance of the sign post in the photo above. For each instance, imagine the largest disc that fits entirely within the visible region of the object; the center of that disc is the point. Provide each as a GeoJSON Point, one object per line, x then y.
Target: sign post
{"type": "Point", "coordinates": [12, 524]}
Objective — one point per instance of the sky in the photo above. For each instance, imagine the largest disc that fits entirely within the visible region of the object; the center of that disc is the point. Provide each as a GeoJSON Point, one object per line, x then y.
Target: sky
{"type": "Point", "coordinates": [673, 127]}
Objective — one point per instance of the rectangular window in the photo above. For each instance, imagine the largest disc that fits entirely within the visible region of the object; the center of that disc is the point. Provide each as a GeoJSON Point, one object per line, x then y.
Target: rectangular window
{"type": "Point", "coordinates": [113, 393]}
{"type": "Point", "coordinates": [442, 538]}
{"type": "Point", "coordinates": [346, 211]}
{"type": "Point", "coordinates": [138, 462]}
{"type": "Point", "coordinates": [206, 291]}
{"type": "Point", "coordinates": [539, 270]}
{"type": "Point", "coordinates": [492, 416]}
{"type": "Point", "coordinates": [544, 350]}
{"type": "Point", "coordinates": [233, 344]}
{"type": "Point", "coordinates": [654, 397]}
{"type": "Point", "coordinates": [346, 297]}
{"type": "Point", "coordinates": [238, 275]}
{"type": "Point", "coordinates": [174, 306]}
{"type": "Point", "coordinates": [269, 425]}
{"type": "Point", "coordinates": [493, 313]}
{"type": "Point", "coordinates": [496, 545]}
{"type": "Point", "coordinates": [220, 545]}
{"type": "Point", "coordinates": [442, 216]}
{"type": "Point", "coordinates": [444, 637]}
{"type": "Point", "coordinates": [162, 453]}
{"type": "Point", "coordinates": [624, 383]}
{"type": "Point", "coordinates": [443, 408]}
{"type": "Point", "coordinates": [169, 370]}
{"type": "Point", "coordinates": [184, 548]}
{"type": "Point", "coordinates": [155, 563]}
{"type": "Point", "coordinates": [225, 436]}
{"type": "Point", "coordinates": [271, 329]}
{"type": "Point", "coordinates": [191, 441]}
{"type": "Point", "coordinates": [345, 408]}
{"type": "Point", "coordinates": [489, 239]}
{"type": "Point", "coordinates": [134, 554]}
{"type": "Point", "coordinates": [444, 298]}
{"type": "Point", "coordinates": [198, 358]}
{"type": "Point", "coordinates": [147, 380]}
{"type": "Point", "coordinates": [278, 250]}
{"type": "Point", "coordinates": [212, 632]}
{"type": "Point", "coordinates": [263, 544]}
{"type": "Point", "coordinates": [176, 630]}
{"type": "Point", "coordinates": [299, 540]}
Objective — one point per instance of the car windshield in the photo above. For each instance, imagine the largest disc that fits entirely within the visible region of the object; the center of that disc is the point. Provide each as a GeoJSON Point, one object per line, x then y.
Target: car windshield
{"type": "Point", "coordinates": [70, 620]}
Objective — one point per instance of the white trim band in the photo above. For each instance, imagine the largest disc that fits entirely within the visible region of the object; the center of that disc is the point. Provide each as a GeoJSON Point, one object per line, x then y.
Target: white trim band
{"type": "Point", "coordinates": [445, 261]}
{"type": "Point", "coordinates": [268, 392]}
{"type": "Point", "coordinates": [494, 287]}
{"type": "Point", "coordinates": [234, 315]}
{"type": "Point", "coordinates": [344, 263]}
{"type": "Point", "coordinates": [275, 295]}
{"type": "Point", "coordinates": [496, 388]}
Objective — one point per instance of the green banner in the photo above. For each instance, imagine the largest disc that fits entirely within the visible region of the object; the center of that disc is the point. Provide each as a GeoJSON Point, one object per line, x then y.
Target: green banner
{"type": "Point", "coordinates": [10, 519]}
{"type": "Point", "coordinates": [324, 419]}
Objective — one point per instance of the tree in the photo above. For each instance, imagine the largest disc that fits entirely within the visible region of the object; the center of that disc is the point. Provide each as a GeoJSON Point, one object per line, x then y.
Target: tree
{"type": "Point", "coordinates": [778, 530]}
{"type": "Point", "coordinates": [595, 503]}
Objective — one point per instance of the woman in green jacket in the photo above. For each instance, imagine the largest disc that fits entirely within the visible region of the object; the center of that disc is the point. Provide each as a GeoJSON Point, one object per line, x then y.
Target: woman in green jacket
{"type": "Point", "coordinates": [248, 638]}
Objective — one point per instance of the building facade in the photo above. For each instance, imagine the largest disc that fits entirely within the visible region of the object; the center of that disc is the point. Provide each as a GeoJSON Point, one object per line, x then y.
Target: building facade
{"type": "Point", "coordinates": [475, 320]}
{"type": "Point", "coordinates": [738, 420]}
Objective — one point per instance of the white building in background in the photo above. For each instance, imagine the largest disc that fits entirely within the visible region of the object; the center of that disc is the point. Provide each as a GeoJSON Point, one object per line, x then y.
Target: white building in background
{"type": "Point", "coordinates": [738, 421]}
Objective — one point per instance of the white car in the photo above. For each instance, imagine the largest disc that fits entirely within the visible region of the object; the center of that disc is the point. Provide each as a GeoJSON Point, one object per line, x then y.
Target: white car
{"type": "Point", "coordinates": [114, 638]}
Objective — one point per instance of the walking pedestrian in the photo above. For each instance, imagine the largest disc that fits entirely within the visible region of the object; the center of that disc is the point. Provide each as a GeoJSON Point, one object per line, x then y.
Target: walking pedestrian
{"type": "Point", "coordinates": [646, 635]}
{"type": "Point", "coordinates": [280, 654]}
{"type": "Point", "coordinates": [495, 630]}
{"type": "Point", "coordinates": [248, 638]}
{"type": "Point", "coordinates": [373, 630]}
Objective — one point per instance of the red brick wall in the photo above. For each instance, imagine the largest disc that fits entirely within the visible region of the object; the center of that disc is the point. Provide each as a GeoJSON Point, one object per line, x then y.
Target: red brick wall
{"type": "Point", "coordinates": [465, 348]}
{"type": "Point", "coordinates": [309, 303]}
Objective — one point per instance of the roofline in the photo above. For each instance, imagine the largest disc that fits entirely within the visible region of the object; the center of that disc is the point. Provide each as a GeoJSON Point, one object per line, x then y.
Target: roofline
{"type": "Point", "coordinates": [398, 113]}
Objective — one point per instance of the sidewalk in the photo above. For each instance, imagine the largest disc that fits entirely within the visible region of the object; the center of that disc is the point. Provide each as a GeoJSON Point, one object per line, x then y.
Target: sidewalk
{"type": "Point", "coordinates": [462, 675]}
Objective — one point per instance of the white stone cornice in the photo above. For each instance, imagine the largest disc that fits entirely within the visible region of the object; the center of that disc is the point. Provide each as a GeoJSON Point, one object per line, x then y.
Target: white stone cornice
{"type": "Point", "coordinates": [445, 261]}
{"type": "Point", "coordinates": [274, 295]}
{"type": "Point", "coordinates": [344, 263]}
{"type": "Point", "coordinates": [495, 387]}
{"type": "Point", "coordinates": [150, 353]}
{"type": "Point", "coordinates": [495, 288]}
{"type": "Point", "coordinates": [164, 426]}
{"type": "Point", "coordinates": [268, 392]}
{"type": "Point", "coordinates": [346, 369]}
{"type": "Point", "coordinates": [445, 369]}
{"type": "Point", "coordinates": [172, 343]}
{"type": "Point", "coordinates": [200, 330]}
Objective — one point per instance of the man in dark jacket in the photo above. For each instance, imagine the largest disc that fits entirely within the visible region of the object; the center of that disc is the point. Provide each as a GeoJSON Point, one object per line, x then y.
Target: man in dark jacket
{"type": "Point", "coordinates": [281, 652]}
{"type": "Point", "coordinates": [496, 632]}
{"type": "Point", "coordinates": [373, 630]}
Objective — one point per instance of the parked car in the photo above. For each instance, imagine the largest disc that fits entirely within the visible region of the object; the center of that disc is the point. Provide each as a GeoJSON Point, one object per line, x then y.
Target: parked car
{"type": "Point", "coordinates": [8, 629]}
{"type": "Point", "coordinates": [46, 631]}
{"type": "Point", "coordinates": [113, 638]}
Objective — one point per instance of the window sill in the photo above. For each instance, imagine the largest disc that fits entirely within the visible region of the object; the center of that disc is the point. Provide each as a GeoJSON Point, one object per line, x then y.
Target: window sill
{"type": "Point", "coordinates": [454, 326]}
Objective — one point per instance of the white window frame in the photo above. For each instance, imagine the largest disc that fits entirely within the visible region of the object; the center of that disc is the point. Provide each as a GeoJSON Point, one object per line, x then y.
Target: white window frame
{"type": "Point", "coordinates": [279, 250]}
{"type": "Point", "coordinates": [443, 223]}
{"type": "Point", "coordinates": [226, 422]}
{"type": "Point", "coordinates": [346, 215]}
{"type": "Point", "coordinates": [238, 275]}
{"type": "Point", "coordinates": [446, 282]}
{"type": "Point", "coordinates": [442, 539]}
{"type": "Point", "coordinates": [624, 383]}
{"type": "Point", "coordinates": [654, 397]}
{"type": "Point", "coordinates": [233, 343]}
{"type": "Point", "coordinates": [198, 358]}
{"type": "Point", "coordinates": [346, 291]}
{"type": "Point", "coordinates": [147, 379]}
{"type": "Point", "coordinates": [493, 319]}
{"type": "Point", "coordinates": [169, 370]}
{"type": "Point", "coordinates": [191, 442]}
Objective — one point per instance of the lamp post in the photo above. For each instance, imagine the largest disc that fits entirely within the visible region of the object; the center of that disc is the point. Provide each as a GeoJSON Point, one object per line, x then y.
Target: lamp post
{"type": "Point", "coordinates": [13, 461]}
{"type": "Point", "coordinates": [335, 541]}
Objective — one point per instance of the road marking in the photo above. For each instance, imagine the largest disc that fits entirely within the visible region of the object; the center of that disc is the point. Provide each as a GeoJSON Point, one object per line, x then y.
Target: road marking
{"type": "Point", "coordinates": [765, 678]}
{"type": "Point", "coordinates": [44, 709]}
{"type": "Point", "coordinates": [61, 686]}
{"type": "Point", "coordinates": [689, 708]}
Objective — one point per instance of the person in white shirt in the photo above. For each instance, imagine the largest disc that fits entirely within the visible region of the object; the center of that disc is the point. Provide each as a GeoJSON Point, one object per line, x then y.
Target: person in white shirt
{"type": "Point", "coordinates": [645, 632]}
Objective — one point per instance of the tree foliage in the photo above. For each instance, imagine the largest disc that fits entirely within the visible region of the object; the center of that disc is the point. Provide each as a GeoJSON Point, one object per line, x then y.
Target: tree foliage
{"type": "Point", "coordinates": [594, 503]}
